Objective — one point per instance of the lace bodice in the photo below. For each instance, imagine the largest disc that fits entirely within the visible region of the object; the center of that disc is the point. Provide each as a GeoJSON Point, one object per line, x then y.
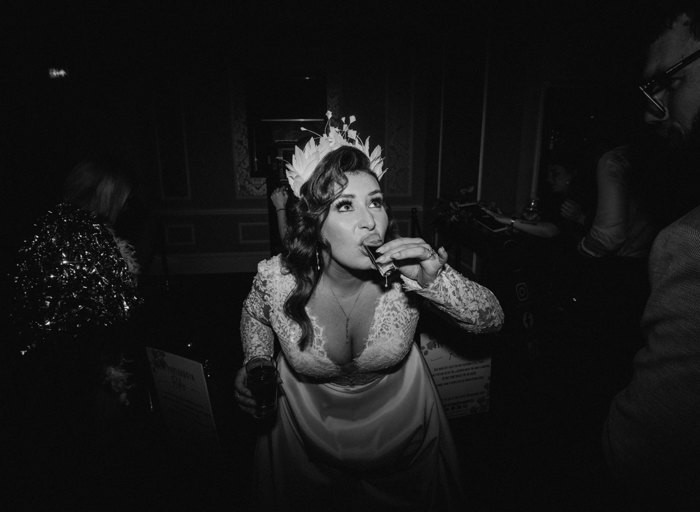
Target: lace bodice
{"type": "Point", "coordinates": [390, 336]}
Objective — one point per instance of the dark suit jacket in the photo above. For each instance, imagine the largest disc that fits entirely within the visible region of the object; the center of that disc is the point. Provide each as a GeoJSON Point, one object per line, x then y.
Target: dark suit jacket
{"type": "Point", "coordinates": [652, 434]}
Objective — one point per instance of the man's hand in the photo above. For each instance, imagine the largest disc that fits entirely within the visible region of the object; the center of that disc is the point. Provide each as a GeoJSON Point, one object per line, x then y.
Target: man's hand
{"type": "Point", "coordinates": [572, 211]}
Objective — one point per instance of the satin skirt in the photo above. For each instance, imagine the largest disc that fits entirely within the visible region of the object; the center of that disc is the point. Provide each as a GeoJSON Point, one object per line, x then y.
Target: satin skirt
{"type": "Point", "coordinates": [385, 445]}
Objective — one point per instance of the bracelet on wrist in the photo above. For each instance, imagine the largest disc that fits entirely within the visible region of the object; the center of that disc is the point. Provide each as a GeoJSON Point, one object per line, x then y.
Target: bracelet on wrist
{"type": "Point", "coordinates": [281, 209]}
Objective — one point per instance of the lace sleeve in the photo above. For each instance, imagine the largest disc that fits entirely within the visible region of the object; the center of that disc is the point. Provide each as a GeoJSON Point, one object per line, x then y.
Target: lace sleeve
{"type": "Point", "coordinates": [472, 306]}
{"type": "Point", "coordinates": [257, 336]}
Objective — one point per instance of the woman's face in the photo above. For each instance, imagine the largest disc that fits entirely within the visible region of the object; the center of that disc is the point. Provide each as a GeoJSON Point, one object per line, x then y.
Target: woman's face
{"type": "Point", "coordinates": [355, 217]}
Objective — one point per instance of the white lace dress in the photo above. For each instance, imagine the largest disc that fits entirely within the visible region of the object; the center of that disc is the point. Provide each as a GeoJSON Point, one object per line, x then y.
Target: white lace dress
{"type": "Point", "coordinates": [374, 437]}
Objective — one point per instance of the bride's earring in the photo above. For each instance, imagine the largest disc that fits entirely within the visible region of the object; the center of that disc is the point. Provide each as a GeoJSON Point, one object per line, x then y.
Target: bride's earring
{"type": "Point", "coordinates": [318, 261]}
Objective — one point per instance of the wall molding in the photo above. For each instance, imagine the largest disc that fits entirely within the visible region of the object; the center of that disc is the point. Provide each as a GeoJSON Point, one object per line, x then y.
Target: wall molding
{"type": "Point", "coordinates": [209, 263]}
{"type": "Point", "coordinates": [256, 241]}
{"type": "Point", "coordinates": [209, 212]}
{"type": "Point", "coordinates": [185, 237]}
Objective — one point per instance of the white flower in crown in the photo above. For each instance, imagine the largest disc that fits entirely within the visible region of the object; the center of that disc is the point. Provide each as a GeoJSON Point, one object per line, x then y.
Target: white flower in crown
{"type": "Point", "coordinates": [304, 161]}
{"type": "Point", "coordinates": [303, 164]}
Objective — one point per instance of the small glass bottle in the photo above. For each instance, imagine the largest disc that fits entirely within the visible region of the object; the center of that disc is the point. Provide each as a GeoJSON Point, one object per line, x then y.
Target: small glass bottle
{"type": "Point", "coordinates": [531, 211]}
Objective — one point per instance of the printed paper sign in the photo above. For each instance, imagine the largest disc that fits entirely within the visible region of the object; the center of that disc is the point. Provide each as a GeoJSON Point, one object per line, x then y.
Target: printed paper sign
{"type": "Point", "coordinates": [463, 384]}
{"type": "Point", "coordinates": [184, 399]}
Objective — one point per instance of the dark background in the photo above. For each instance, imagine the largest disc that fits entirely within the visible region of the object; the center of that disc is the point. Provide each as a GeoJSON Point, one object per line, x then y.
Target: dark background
{"type": "Point", "coordinates": [116, 51]}
{"type": "Point", "coordinates": [539, 445]}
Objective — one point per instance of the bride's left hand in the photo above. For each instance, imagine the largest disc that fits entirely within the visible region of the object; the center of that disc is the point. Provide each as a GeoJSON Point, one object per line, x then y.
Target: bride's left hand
{"type": "Point", "coordinates": [414, 258]}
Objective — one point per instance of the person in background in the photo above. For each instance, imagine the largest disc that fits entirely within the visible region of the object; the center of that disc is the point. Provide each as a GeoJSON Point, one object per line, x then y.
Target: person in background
{"type": "Point", "coordinates": [279, 198]}
{"type": "Point", "coordinates": [621, 227]}
{"type": "Point", "coordinates": [560, 212]}
{"type": "Point", "coordinates": [74, 295]}
{"type": "Point", "coordinates": [615, 251]}
{"type": "Point", "coordinates": [75, 278]}
{"type": "Point", "coordinates": [359, 425]}
{"type": "Point", "coordinates": [652, 433]}
{"type": "Point", "coordinates": [541, 248]}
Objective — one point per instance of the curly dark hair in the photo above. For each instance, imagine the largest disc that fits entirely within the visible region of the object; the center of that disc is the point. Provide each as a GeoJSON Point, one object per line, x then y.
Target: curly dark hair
{"type": "Point", "coordinates": [304, 237]}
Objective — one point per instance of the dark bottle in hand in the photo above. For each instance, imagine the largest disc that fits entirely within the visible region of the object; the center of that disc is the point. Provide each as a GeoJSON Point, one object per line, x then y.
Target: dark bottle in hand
{"type": "Point", "coordinates": [262, 382]}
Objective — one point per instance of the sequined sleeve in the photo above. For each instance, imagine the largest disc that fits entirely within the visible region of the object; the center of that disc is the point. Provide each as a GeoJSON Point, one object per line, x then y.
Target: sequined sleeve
{"type": "Point", "coordinates": [70, 276]}
{"type": "Point", "coordinates": [473, 306]}
{"type": "Point", "coordinates": [256, 332]}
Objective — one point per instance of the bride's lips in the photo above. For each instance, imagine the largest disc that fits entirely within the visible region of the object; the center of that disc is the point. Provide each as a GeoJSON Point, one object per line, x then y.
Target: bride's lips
{"type": "Point", "coordinates": [372, 241]}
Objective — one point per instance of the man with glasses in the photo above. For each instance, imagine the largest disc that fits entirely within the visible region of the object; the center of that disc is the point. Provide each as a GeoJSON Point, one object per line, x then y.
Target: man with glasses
{"type": "Point", "coordinates": [672, 89]}
{"type": "Point", "coordinates": [652, 434]}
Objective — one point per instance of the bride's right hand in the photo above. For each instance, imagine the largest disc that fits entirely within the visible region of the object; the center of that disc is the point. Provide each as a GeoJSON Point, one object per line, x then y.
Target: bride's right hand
{"type": "Point", "coordinates": [242, 394]}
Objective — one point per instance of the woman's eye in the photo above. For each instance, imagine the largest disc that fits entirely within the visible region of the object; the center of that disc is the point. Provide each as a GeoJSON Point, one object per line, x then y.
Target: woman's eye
{"type": "Point", "coordinates": [344, 206]}
{"type": "Point", "coordinates": [377, 202]}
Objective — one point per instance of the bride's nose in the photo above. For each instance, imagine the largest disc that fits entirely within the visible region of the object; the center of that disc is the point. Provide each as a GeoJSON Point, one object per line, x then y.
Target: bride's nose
{"type": "Point", "coordinates": [366, 219]}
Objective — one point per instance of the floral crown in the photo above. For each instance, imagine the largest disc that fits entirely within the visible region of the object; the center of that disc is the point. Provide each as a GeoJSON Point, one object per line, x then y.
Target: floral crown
{"type": "Point", "coordinates": [304, 161]}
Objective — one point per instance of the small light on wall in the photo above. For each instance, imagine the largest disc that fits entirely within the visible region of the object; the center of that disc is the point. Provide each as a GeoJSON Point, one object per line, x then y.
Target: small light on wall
{"type": "Point", "coordinates": [57, 73]}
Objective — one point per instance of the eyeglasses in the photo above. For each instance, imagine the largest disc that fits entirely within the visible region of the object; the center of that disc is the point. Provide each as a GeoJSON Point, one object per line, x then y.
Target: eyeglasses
{"type": "Point", "coordinates": [662, 81]}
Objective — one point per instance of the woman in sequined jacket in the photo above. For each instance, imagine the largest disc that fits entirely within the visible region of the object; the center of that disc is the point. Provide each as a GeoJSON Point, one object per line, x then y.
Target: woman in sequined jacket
{"type": "Point", "coordinates": [75, 288]}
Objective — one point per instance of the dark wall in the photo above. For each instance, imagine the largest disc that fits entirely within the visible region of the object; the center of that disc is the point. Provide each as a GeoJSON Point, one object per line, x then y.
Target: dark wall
{"type": "Point", "coordinates": [588, 53]}
{"type": "Point", "coordinates": [167, 87]}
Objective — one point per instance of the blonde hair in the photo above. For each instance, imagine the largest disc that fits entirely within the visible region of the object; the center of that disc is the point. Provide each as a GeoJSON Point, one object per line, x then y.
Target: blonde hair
{"type": "Point", "coordinates": [100, 185]}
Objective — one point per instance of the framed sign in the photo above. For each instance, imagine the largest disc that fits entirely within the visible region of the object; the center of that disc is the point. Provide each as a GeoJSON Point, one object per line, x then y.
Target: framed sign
{"type": "Point", "coordinates": [184, 402]}
{"type": "Point", "coordinates": [462, 383]}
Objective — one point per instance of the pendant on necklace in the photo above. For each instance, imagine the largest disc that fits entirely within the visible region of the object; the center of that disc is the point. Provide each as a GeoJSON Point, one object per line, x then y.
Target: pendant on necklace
{"type": "Point", "coordinates": [347, 315]}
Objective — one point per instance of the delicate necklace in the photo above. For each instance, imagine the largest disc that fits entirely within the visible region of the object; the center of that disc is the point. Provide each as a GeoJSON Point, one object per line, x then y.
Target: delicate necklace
{"type": "Point", "coordinates": [347, 315]}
